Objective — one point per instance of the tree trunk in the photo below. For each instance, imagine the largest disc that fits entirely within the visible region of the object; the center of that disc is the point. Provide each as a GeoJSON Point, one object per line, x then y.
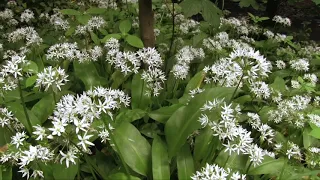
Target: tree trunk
{"type": "Point", "coordinates": [146, 21]}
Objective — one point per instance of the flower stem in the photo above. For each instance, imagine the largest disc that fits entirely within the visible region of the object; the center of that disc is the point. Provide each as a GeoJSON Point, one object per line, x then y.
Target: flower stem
{"type": "Point", "coordinates": [248, 167]}
{"type": "Point", "coordinates": [24, 106]}
{"type": "Point", "coordinates": [234, 92]}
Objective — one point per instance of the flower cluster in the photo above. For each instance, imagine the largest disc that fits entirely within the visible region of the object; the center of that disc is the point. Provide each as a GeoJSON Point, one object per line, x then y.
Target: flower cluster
{"type": "Point", "coordinates": [27, 33]}
{"type": "Point", "coordinates": [51, 77]}
{"type": "Point", "coordinates": [216, 172]}
{"type": "Point", "coordinates": [282, 20]}
{"type": "Point", "coordinates": [184, 57]}
{"type": "Point", "coordinates": [26, 15]}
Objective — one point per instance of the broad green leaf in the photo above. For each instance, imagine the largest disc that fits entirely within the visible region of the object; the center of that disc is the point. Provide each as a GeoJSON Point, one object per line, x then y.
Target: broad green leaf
{"type": "Point", "coordinates": [279, 84]}
{"type": "Point", "coordinates": [197, 39]}
{"type": "Point", "coordinates": [44, 108]}
{"type": "Point", "coordinates": [211, 13]}
{"type": "Point", "coordinates": [315, 133]}
{"type": "Point", "coordinates": [160, 159]}
{"type": "Point", "coordinates": [185, 164]}
{"type": "Point", "coordinates": [185, 120]}
{"type": "Point", "coordinates": [122, 176]}
{"type": "Point", "coordinates": [61, 172]}
{"type": "Point", "coordinates": [133, 147]}
{"type": "Point", "coordinates": [268, 166]}
{"type": "Point", "coordinates": [307, 139]}
{"type": "Point", "coordinates": [191, 7]}
{"type": "Point", "coordinates": [107, 37]}
{"type": "Point", "coordinates": [150, 130]}
{"type": "Point", "coordinates": [32, 67]}
{"type": "Point", "coordinates": [233, 161]}
{"type": "Point", "coordinates": [95, 38]}
{"type": "Point", "coordinates": [134, 41]}
{"type": "Point", "coordinates": [70, 31]}
{"type": "Point", "coordinates": [139, 99]}
{"type": "Point", "coordinates": [195, 82]}
{"type": "Point", "coordinates": [83, 19]}
{"type": "Point", "coordinates": [70, 12]}
{"type": "Point", "coordinates": [87, 72]}
{"type": "Point", "coordinates": [31, 80]}
{"type": "Point", "coordinates": [95, 10]}
{"type": "Point", "coordinates": [5, 136]}
{"type": "Point", "coordinates": [125, 26]}
{"type": "Point", "coordinates": [129, 115]}
{"type": "Point", "coordinates": [118, 78]}
{"type": "Point", "coordinates": [163, 114]}
{"type": "Point", "coordinates": [247, 3]}
{"type": "Point", "coordinates": [5, 172]}
{"type": "Point", "coordinates": [17, 110]}
{"type": "Point", "coordinates": [202, 143]}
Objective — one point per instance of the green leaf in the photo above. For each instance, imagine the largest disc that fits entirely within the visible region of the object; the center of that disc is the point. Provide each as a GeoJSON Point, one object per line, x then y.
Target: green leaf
{"type": "Point", "coordinates": [134, 41]}
{"type": "Point", "coordinates": [247, 3]}
{"type": "Point", "coordinates": [133, 147]}
{"type": "Point", "coordinates": [61, 172]}
{"type": "Point", "coordinates": [107, 37]}
{"type": "Point", "coordinates": [315, 133]}
{"type": "Point", "coordinates": [197, 39]}
{"type": "Point", "coordinates": [233, 161]}
{"type": "Point", "coordinates": [70, 31]}
{"type": "Point", "coordinates": [17, 110]}
{"type": "Point", "coordinates": [195, 82]}
{"type": "Point", "coordinates": [185, 164]}
{"type": "Point", "coordinates": [44, 108]}
{"type": "Point", "coordinates": [211, 13]}
{"type": "Point", "coordinates": [160, 160]}
{"type": "Point", "coordinates": [202, 143]}
{"type": "Point", "coordinates": [5, 136]}
{"type": "Point", "coordinates": [95, 10]}
{"type": "Point", "coordinates": [122, 176]}
{"type": "Point", "coordinates": [139, 99]}
{"type": "Point", "coordinates": [185, 120]}
{"type": "Point", "coordinates": [32, 67]}
{"type": "Point", "coordinates": [307, 139]}
{"type": "Point", "coordinates": [129, 115]}
{"type": "Point", "coordinates": [70, 12]}
{"type": "Point", "coordinates": [191, 7]}
{"type": "Point", "coordinates": [95, 38]}
{"type": "Point", "coordinates": [118, 78]}
{"type": "Point", "coordinates": [163, 114]}
{"type": "Point", "coordinates": [31, 80]}
{"type": "Point", "coordinates": [87, 72]}
{"type": "Point", "coordinates": [279, 84]}
{"type": "Point", "coordinates": [5, 172]}
{"type": "Point", "coordinates": [268, 166]}
{"type": "Point", "coordinates": [125, 26]}
{"type": "Point", "coordinates": [83, 19]}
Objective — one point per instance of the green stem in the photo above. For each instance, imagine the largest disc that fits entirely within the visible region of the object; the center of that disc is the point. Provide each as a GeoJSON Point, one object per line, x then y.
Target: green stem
{"type": "Point", "coordinates": [118, 150]}
{"type": "Point", "coordinates": [248, 167]}
{"type": "Point", "coordinates": [24, 106]}
{"type": "Point", "coordinates": [234, 92]}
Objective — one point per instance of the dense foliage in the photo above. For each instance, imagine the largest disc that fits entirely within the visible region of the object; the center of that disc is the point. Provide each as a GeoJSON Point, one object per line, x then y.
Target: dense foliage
{"type": "Point", "coordinates": [222, 98]}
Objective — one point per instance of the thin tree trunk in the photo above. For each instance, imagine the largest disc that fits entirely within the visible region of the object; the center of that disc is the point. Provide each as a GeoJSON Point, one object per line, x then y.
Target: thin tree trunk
{"type": "Point", "coordinates": [146, 21]}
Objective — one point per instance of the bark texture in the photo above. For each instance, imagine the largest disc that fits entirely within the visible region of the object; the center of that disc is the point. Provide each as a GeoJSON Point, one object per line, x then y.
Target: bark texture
{"type": "Point", "coordinates": [146, 23]}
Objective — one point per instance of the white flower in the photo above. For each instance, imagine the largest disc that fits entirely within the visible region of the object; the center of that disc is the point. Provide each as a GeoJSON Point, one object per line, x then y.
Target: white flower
{"type": "Point", "coordinates": [55, 77]}
{"type": "Point", "coordinates": [58, 127]}
{"type": "Point", "coordinates": [27, 33]}
{"type": "Point", "coordinates": [84, 141]}
{"type": "Point", "coordinates": [95, 22]}
{"type": "Point", "coordinates": [282, 20]}
{"type": "Point", "coordinates": [37, 173]}
{"type": "Point", "coordinates": [18, 139]}
{"type": "Point", "coordinates": [26, 15]}
{"type": "Point", "coordinates": [25, 172]}
{"type": "Point", "coordinates": [213, 172]}
{"type": "Point", "coordinates": [70, 156]}
{"type": "Point", "coordinates": [260, 89]}
{"type": "Point", "coordinates": [280, 64]}
{"type": "Point", "coordinates": [40, 132]}
{"type": "Point", "coordinates": [300, 64]}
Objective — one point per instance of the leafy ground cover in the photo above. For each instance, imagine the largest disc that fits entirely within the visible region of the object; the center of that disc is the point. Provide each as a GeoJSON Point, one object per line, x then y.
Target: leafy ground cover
{"type": "Point", "coordinates": [222, 98]}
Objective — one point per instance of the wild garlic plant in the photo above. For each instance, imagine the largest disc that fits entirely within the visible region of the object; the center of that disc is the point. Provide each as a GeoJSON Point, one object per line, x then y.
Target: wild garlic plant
{"type": "Point", "coordinates": [82, 98]}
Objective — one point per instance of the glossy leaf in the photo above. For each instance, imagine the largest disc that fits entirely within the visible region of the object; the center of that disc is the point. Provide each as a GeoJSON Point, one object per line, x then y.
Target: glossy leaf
{"type": "Point", "coordinates": [122, 176]}
{"type": "Point", "coordinates": [44, 108]}
{"type": "Point", "coordinates": [268, 166]}
{"type": "Point", "coordinates": [70, 12]}
{"type": "Point", "coordinates": [87, 72]}
{"type": "Point", "coordinates": [107, 37]}
{"type": "Point", "coordinates": [160, 160]}
{"type": "Point", "coordinates": [129, 115]}
{"type": "Point", "coordinates": [5, 172]}
{"type": "Point", "coordinates": [134, 41]}
{"type": "Point", "coordinates": [139, 99]}
{"type": "Point", "coordinates": [32, 67]}
{"type": "Point", "coordinates": [125, 26]}
{"type": "Point", "coordinates": [185, 120]}
{"type": "Point", "coordinates": [133, 147]}
{"type": "Point", "coordinates": [185, 164]}
{"type": "Point", "coordinates": [61, 172]}
{"type": "Point", "coordinates": [191, 7]}
{"type": "Point", "coordinates": [83, 19]}
{"type": "Point", "coordinates": [95, 38]}
{"type": "Point", "coordinates": [211, 13]}
{"type": "Point", "coordinates": [202, 143]}
{"type": "Point", "coordinates": [31, 80]}
{"type": "Point", "coordinates": [94, 10]}
{"type": "Point", "coordinates": [163, 114]}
